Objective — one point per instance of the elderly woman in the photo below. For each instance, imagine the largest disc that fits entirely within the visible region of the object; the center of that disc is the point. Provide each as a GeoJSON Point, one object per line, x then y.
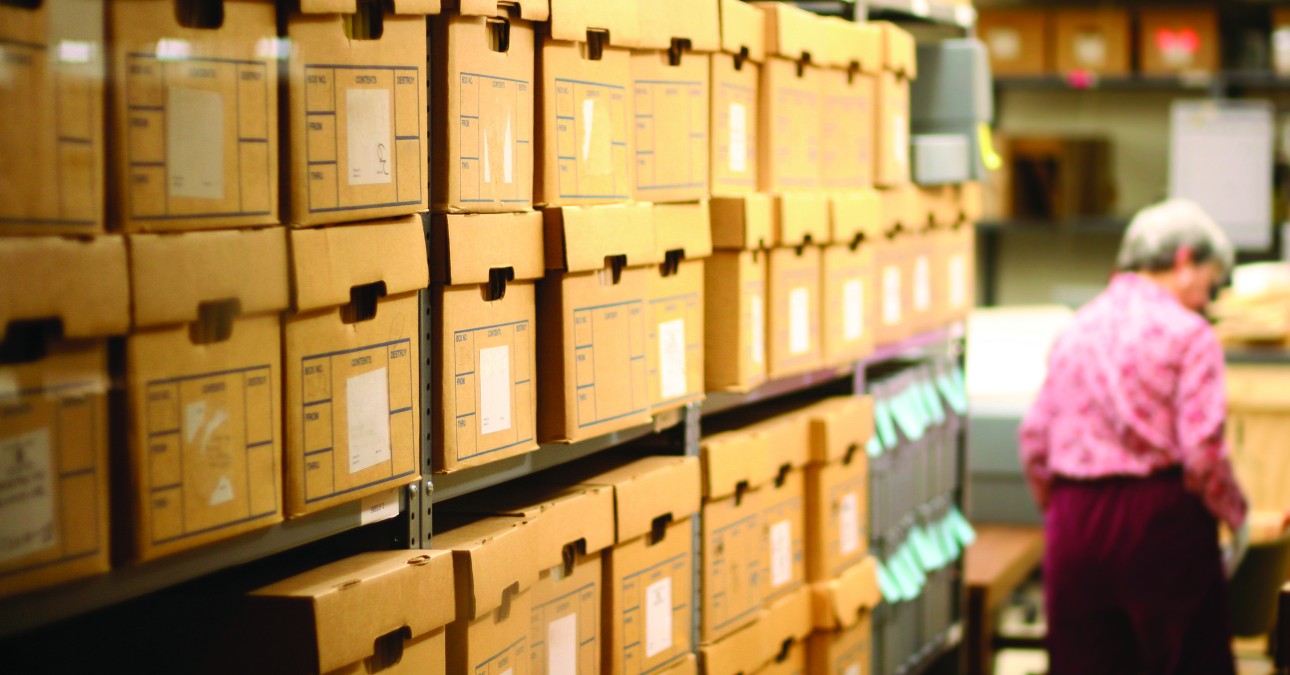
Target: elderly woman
{"type": "Point", "coordinates": [1124, 452]}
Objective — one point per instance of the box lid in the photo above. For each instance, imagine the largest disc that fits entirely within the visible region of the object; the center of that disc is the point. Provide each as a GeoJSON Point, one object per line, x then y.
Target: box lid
{"type": "Point", "coordinates": [840, 426]}
{"type": "Point", "coordinates": [794, 33]}
{"type": "Point", "coordinates": [735, 458]}
{"type": "Point", "coordinates": [901, 209]}
{"type": "Point", "coordinates": [575, 514]}
{"type": "Point", "coordinates": [327, 262]}
{"type": "Point", "coordinates": [572, 19]}
{"type": "Point", "coordinates": [358, 599]}
{"type": "Point", "coordinates": [801, 217]}
{"type": "Point", "coordinates": [465, 247]}
{"type": "Point", "coordinates": [788, 441]}
{"type": "Point", "coordinates": [743, 29]}
{"type": "Point", "coordinates": [971, 201]}
{"type": "Point", "coordinates": [581, 238]}
{"type": "Point", "coordinates": [662, 21]}
{"type": "Point", "coordinates": [899, 51]}
{"type": "Point", "coordinates": [788, 619]}
{"type": "Point", "coordinates": [852, 44]}
{"type": "Point", "coordinates": [172, 274]}
{"type": "Point", "coordinates": [650, 488]}
{"type": "Point", "coordinates": [351, 6]}
{"type": "Point", "coordinates": [744, 651]}
{"type": "Point", "coordinates": [529, 10]}
{"type": "Point", "coordinates": [745, 222]}
{"type": "Point", "coordinates": [683, 227]}
{"type": "Point", "coordinates": [83, 282]}
{"type": "Point", "coordinates": [491, 557]}
{"type": "Point", "coordinates": [839, 602]}
{"type": "Point", "coordinates": [855, 214]}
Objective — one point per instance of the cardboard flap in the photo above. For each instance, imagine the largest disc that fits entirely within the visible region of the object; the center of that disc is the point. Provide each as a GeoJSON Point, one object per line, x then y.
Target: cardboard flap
{"type": "Point", "coordinates": [801, 216]}
{"type": "Point", "coordinates": [466, 247]}
{"type": "Point", "coordinates": [839, 602]}
{"type": "Point", "coordinates": [580, 238]}
{"type": "Point", "coordinates": [172, 274]}
{"type": "Point", "coordinates": [743, 652]}
{"type": "Point", "coordinates": [741, 223]}
{"type": "Point", "coordinates": [84, 283]}
{"type": "Point", "coordinates": [901, 209]}
{"type": "Point", "coordinates": [971, 202]}
{"type": "Point", "coordinates": [327, 262]}
{"type": "Point", "coordinates": [788, 441]}
{"type": "Point", "coordinates": [359, 599]}
{"type": "Point", "coordinates": [840, 426]}
{"type": "Point", "coordinates": [529, 10]}
{"type": "Point", "coordinates": [788, 619]}
{"type": "Point", "coordinates": [662, 21]}
{"type": "Point", "coordinates": [856, 213]}
{"type": "Point", "coordinates": [351, 6]}
{"type": "Point", "coordinates": [651, 487]}
{"type": "Point", "coordinates": [490, 557]}
{"type": "Point", "coordinates": [794, 33]}
{"type": "Point", "coordinates": [571, 19]}
{"type": "Point", "coordinates": [899, 51]}
{"type": "Point", "coordinates": [683, 227]}
{"type": "Point", "coordinates": [851, 43]}
{"type": "Point", "coordinates": [561, 515]}
{"type": "Point", "coordinates": [743, 27]}
{"type": "Point", "coordinates": [735, 457]}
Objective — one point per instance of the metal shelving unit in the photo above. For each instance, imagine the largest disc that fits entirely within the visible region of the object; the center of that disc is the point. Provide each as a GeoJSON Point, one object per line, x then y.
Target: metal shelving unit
{"type": "Point", "coordinates": [935, 11]}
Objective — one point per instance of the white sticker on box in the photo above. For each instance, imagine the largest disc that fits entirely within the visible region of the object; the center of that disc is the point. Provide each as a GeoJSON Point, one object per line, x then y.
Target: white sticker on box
{"type": "Point", "coordinates": [922, 284]}
{"type": "Point", "coordinates": [799, 321]}
{"type": "Point", "coordinates": [658, 617]}
{"type": "Point", "coordinates": [900, 132]}
{"type": "Point", "coordinates": [494, 389]}
{"type": "Point", "coordinates": [562, 646]}
{"type": "Point", "coordinates": [194, 143]}
{"type": "Point", "coordinates": [367, 408]}
{"type": "Point", "coordinates": [852, 310]}
{"type": "Point", "coordinates": [223, 492]}
{"type": "Point", "coordinates": [671, 359]}
{"type": "Point", "coordinates": [1090, 48]}
{"type": "Point", "coordinates": [891, 309]}
{"type": "Point", "coordinates": [1005, 43]}
{"type": "Point", "coordinates": [958, 281]}
{"type": "Point", "coordinates": [849, 523]}
{"type": "Point", "coordinates": [379, 507]}
{"type": "Point", "coordinates": [757, 324]}
{"type": "Point", "coordinates": [27, 523]}
{"type": "Point", "coordinates": [853, 669]}
{"type": "Point", "coordinates": [367, 136]}
{"type": "Point", "coordinates": [194, 415]}
{"type": "Point", "coordinates": [781, 553]}
{"type": "Point", "coordinates": [738, 137]}
{"type": "Point", "coordinates": [508, 671]}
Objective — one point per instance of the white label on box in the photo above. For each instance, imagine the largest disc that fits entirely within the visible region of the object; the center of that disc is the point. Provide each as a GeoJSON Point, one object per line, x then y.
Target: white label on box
{"type": "Point", "coordinates": [958, 281]}
{"type": "Point", "coordinates": [891, 295]}
{"type": "Point", "coordinates": [922, 284]}
{"type": "Point", "coordinates": [494, 389]}
{"type": "Point", "coordinates": [758, 327]}
{"type": "Point", "coordinates": [900, 134]}
{"type": "Point", "coordinates": [781, 553]}
{"type": "Point", "coordinates": [367, 136]}
{"type": "Point", "coordinates": [1090, 48]}
{"type": "Point", "coordinates": [367, 410]}
{"type": "Point", "coordinates": [508, 671]}
{"type": "Point", "coordinates": [194, 415]}
{"type": "Point", "coordinates": [1005, 43]}
{"type": "Point", "coordinates": [223, 492]}
{"type": "Point", "coordinates": [27, 495]}
{"type": "Point", "coordinates": [379, 507]}
{"type": "Point", "coordinates": [853, 669]}
{"type": "Point", "coordinates": [562, 646]}
{"type": "Point", "coordinates": [194, 143]}
{"type": "Point", "coordinates": [852, 310]}
{"type": "Point", "coordinates": [658, 617]}
{"type": "Point", "coordinates": [671, 359]}
{"type": "Point", "coordinates": [738, 137]}
{"type": "Point", "coordinates": [799, 321]}
{"type": "Point", "coordinates": [849, 523]}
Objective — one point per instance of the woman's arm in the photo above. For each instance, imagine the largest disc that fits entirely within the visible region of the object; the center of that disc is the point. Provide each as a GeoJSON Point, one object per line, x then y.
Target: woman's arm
{"type": "Point", "coordinates": [1201, 406]}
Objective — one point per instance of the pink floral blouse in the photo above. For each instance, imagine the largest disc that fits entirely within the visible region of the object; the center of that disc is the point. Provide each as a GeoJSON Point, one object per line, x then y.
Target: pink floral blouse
{"type": "Point", "coordinates": [1135, 385]}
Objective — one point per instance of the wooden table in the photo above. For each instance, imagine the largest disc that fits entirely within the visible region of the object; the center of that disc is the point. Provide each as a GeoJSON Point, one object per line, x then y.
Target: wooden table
{"type": "Point", "coordinates": [1001, 558]}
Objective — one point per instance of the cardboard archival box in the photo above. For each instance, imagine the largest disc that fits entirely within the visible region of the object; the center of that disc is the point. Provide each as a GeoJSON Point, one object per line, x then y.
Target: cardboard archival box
{"type": "Point", "coordinates": [778, 630]}
{"type": "Point", "coordinates": [846, 600]}
{"type": "Point", "coordinates": [649, 572]}
{"type": "Point", "coordinates": [792, 661]}
{"type": "Point", "coordinates": [357, 110]}
{"type": "Point", "coordinates": [613, 23]}
{"type": "Point", "coordinates": [494, 565]}
{"type": "Point", "coordinates": [893, 261]}
{"type": "Point", "coordinates": [481, 110]}
{"type": "Point", "coordinates": [1093, 40]}
{"type": "Point", "coordinates": [791, 102]}
{"type": "Point", "coordinates": [735, 293]}
{"type": "Point", "coordinates": [847, 300]}
{"type": "Point", "coordinates": [1017, 40]}
{"type": "Point", "coordinates": [689, 665]}
{"type": "Point", "coordinates": [742, 652]}
{"type": "Point", "coordinates": [484, 327]}
{"type": "Point", "coordinates": [670, 90]}
{"type": "Point", "coordinates": [383, 611]}
{"type": "Point", "coordinates": [892, 133]}
{"type": "Point", "coordinates": [842, 652]}
{"type": "Point", "coordinates": [194, 130]}
{"type": "Point", "coordinates": [736, 84]}
{"type": "Point", "coordinates": [51, 142]}
{"type": "Point", "coordinates": [954, 272]}
{"type": "Point", "coordinates": [837, 485]}
{"type": "Point", "coordinates": [855, 215]}
{"type": "Point", "coordinates": [1178, 40]}
{"type": "Point", "coordinates": [924, 313]}
{"type": "Point", "coordinates": [783, 509]}
{"type": "Point", "coordinates": [61, 300]}
{"type": "Point", "coordinates": [849, 104]}
{"type": "Point", "coordinates": [204, 386]}
{"type": "Point", "coordinates": [793, 297]}
{"type": "Point", "coordinates": [352, 349]}
{"type": "Point", "coordinates": [593, 334]}
{"type": "Point", "coordinates": [801, 217]}
{"type": "Point", "coordinates": [683, 237]}
{"type": "Point", "coordinates": [690, 25]}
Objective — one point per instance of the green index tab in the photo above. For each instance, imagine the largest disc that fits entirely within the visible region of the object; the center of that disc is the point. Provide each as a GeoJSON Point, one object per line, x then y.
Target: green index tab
{"type": "Point", "coordinates": [946, 534]}
{"type": "Point", "coordinates": [883, 423]}
{"type": "Point", "coordinates": [903, 577]}
{"type": "Point", "coordinates": [906, 417]}
{"type": "Point", "coordinates": [887, 584]}
{"type": "Point", "coordinates": [929, 555]}
{"type": "Point", "coordinates": [962, 528]}
{"type": "Point", "coordinates": [874, 446]}
{"type": "Point", "coordinates": [932, 401]}
{"type": "Point", "coordinates": [951, 387]}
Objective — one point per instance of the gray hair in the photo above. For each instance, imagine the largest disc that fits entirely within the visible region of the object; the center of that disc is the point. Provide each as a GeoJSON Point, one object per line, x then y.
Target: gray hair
{"type": "Point", "coordinates": [1156, 233]}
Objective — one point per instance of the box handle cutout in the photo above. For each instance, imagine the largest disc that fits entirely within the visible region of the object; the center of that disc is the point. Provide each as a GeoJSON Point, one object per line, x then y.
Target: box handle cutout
{"type": "Point", "coordinates": [856, 241]}
{"type": "Point", "coordinates": [510, 8]}
{"type": "Point", "coordinates": [594, 48]}
{"type": "Point", "coordinates": [387, 651]}
{"type": "Point", "coordinates": [214, 321]}
{"type": "Point", "coordinates": [499, 34]}
{"type": "Point", "coordinates": [658, 528]}
{"type": "Point", "coordinates": [741, 57]}
{"type": "Point", "coordinates": [802, 63]}
{"type": "Point", "coordinates": [853, 71]}
{"type": "Point", "coordinates": [674, 50]}
{"type": "Point", "coordinates": [367, 22]}
{"type": "Point", "coordinates": [671, 262]}
{"type": "Point", "coordinates": [508, 597]}
{"type": "Point", "coordinates": [784, 648]}
{"type": "Point", "coordinates": [852, 451]}
{"type": "Point", "coordinates": [782, 475]}
{"type": "Point", "coordinates": [800, 249]}
{"type": "Point", "coordinates": [569, 555]}
{"type": "Point", "coordinates": [28, 341]}
{"type": "Point", "coordinates": [363, 299]}
{"type": "Point", "coordinates": [741, 490]}
{"type": "Point", "coordinates": [202, 14]}
{"type": "Point", "coordinates": [498, 277]}
{"type": "Point", "coordinates": [613, 269]}
{"type": "Point", "coordinates": [22, 4]}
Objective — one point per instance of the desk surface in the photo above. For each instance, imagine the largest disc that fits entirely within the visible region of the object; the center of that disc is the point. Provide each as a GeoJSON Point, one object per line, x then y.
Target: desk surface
{"type": "Point", "coordinates": [1001, 558]}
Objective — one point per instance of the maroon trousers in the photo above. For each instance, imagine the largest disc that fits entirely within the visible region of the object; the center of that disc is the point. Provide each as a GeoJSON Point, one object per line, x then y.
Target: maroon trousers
{"type": "Point", "coordinates": [1133, 579]}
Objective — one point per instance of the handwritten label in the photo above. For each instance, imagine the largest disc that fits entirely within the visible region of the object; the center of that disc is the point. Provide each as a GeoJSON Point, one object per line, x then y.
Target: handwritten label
{"type": "Point", "coordinates": [194, 143]}
{"type": "Point", "coordinates": [781, 553]}
{"type": "Point", "coordinates": [658, 617]}
{"type": "Point", "coordinates": [849, 523]}
{"type": "Point", "coordinates": [27, 495]}
{"type": "Point", "coordinates": [671, 359]}
{"type": "Point", "coordinates": [367, 136]}
{"type": "Point", "coordinates": [494, 389]}
{"type": "Point", "coordinates": [367, 409]}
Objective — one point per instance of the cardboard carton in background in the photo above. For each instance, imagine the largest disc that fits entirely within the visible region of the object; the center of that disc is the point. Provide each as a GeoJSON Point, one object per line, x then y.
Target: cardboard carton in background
{"type": "Point", "coordinates": [1095, 40]}
{"type": "Point", "coordinates": [54, 419]}
{"type": "Point", "coordinates": [51, 142]}
{"type": "Point", "coordinates": [736, 87]}
{"type": "Point", "coordinates": [1175, 40]}
{"type": "Point", "coordinates": [791, 99]}
{"type": "Point", "coordinates": [193, 136]}
{"type": "Point", "coordinates": [847, 302]}
{"type": "Point", "coordinates": [484, 317]}
{"type": "Point", "coordinates": [735, 341]}
{"type": "Point", "coordinates": [357, 112]}
{"type": "Point", "coordinates": [900, 65]}
{"type": "Point", "coordinates": [793, 300]}
{"type": "Point", "coordinates": [614, 23]}
{"type": "Point", "coordinates": [892, 261]}
{"type": "Point", "coordinates": [783, 510]}
{"type": "Point", "coordinates": [742, 651]}
{"type": "Point", "coordinates": [801, 217]}
{"type": "Point", "coordinates": [1018, 40]}
{"type": "Point", "coordinates": [352, 349]}
{"type": "Point", "coordinates": [841, 651]}
{"type": "Point", "coordinates": [204, 381]}
{"type": "Point", "coordinates": [849, 105]}
{"type": "Point", "coordinates": [676, 304]}
{"type": "Point", "coordinates": [955, 273]}
{"type": "Point", "coordinates": [837, 485]}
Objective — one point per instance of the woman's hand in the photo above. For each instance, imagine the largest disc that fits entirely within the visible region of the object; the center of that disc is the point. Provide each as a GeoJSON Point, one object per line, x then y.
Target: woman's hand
{"type": "Point", "coordinates": [1235, 551]}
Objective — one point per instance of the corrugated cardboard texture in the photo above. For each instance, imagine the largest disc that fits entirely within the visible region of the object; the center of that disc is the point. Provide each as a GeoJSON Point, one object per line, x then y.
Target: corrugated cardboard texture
{"type": "Point", "coordinates": [572, 19]}
{"type": "Point", "coordinates": [665, 22]}
{"type": "Point", "coordinates": [732, 563]}
{"type": "Point", "coordinates": [743, 30]}
{"type": "Point", "coordinates": [788, 121]}
{"type": "Point", "coordinates": [648, 594]}
{"type": "Point", "coordinates": [839, 427]}
{"type": "Point", "coordinates": [482, 122]}
{"type": "Point", "coordinates": [794, 33]}
{"type": "Point", "coordinates": [849, 111]}
{"type": "Point", "coordinates": [1159, 27]}
{"type": "Point", "coordinates": [838, 653]}
{"type": "Point", "coordinates": [736, 95]}
{"type": "Point", "coordinates": [793, 299]}
{"type": "Point", "coordinates": [855, 214]}
{"type": "Point", "coordinates": [846, 600]}
{"type": "Point", "coordinates": [683, 227]}
{"type": "Point", "coordinates": [746, 222]}
{"type": "Point", "coordinates": [194, 131]}
{"type": "Point", "coordinates": [496, 642]}
{"type": "Point", "coordinates": [783, 535]}
{"type": "Point", "coordinates": [801, 217]}
{"type": "Point", "coordinates": [344, 607]}
{"type": "Point", "coordinates": [493, 558]}
{"type": "Point", "coordinates": [326, 263]}
{"type": "Point", "coordinates": [51, 142]}
{"type": "Point", "coordinates": [466, 247]}
{"type": "Point", "coordinates": [894, 261]}
{"type": "Point", "coordinates": [676, 333]}
{"type": "Point", "coordinates": [743, 652]}
{"type": "Point", "coordinates": [581, 239]}
{"type": "Point", "coordinates": [529, 10]}
{"type": "Point", "coordinates": [357, 142]}
{"type": "Point", "coordinates": [1095, 40]}
{"type": "Point", "coordinates": [735, 320]}
{"type": "Point", "coordinates": [82, 283]}
{"type": "Point", "coordinates": [585, 137]}
{"type": "Point", "coordinates": [848, 287]}
{"type": "Point", "coordinates": [565, 628]}
{"type": "Point", "coordinates": [837, 515]}
{"type": "Point", "coordinates": [670, 124]}
{"type": "Point", "coordinates": [1018, 40]}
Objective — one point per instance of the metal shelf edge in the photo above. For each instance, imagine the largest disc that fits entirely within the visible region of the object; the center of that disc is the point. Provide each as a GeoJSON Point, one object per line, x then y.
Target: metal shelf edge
{"type": "Point", "coordinates": [936, 11]}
